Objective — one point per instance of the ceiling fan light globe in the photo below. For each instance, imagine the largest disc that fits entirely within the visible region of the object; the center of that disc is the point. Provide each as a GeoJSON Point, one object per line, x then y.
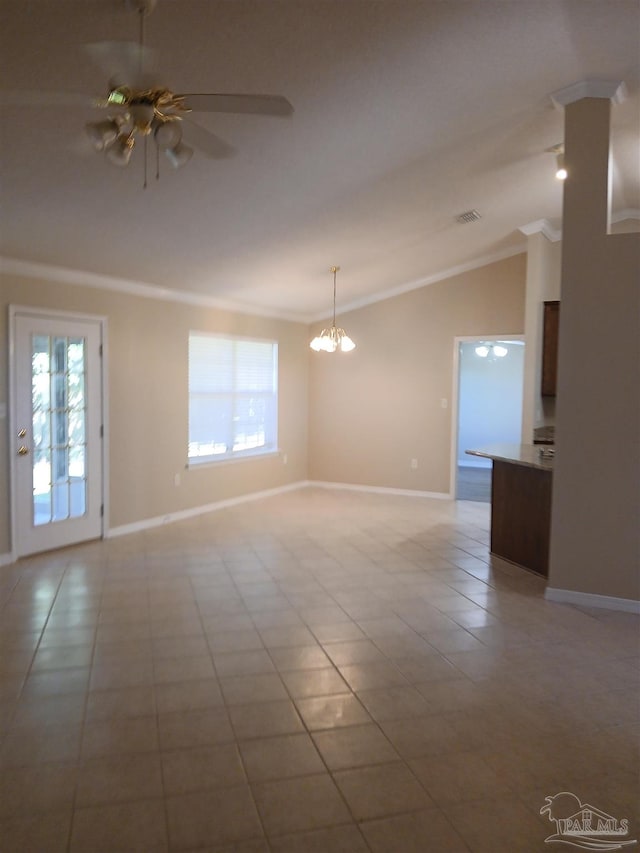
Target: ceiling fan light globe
{"type": "Point", "coordinates": [167, 134]}
{"type": "Point", "coordinates": [102, 133]}
{"type": "Point", "coordinates": [120, 152]}
{"type": "Point", "coordinates": [179, 155]}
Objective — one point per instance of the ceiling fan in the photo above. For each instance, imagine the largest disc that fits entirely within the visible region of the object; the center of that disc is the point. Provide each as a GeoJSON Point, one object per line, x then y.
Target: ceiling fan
{"type": "Point", "coordinates": [139, 109]}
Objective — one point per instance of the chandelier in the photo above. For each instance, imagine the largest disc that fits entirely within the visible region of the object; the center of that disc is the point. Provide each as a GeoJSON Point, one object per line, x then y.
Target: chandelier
{"type": "Point", "coordinates": [334, 338]}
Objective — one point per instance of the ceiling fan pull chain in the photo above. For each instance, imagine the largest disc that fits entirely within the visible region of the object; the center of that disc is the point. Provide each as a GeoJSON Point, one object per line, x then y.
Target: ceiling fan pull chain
{"type": "Point", "coordinates": [144, 186]}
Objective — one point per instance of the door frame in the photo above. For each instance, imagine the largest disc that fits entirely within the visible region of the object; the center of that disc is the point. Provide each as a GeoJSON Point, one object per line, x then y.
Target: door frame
{"type": "Point", "coordinates": [101, 322]}
{"type": "Point", "coordinates": [455, 397]}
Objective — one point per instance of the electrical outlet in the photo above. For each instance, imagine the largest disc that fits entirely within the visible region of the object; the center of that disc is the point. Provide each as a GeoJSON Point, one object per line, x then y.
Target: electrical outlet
{"type": "Point", "coordinates": [444, 403]}
{"type": "Point", "coordinates": [176, 480]}
{"type": "Point", "coordinates": [285, 458]}
{"type": "Point", "coordinates": [414, 464]}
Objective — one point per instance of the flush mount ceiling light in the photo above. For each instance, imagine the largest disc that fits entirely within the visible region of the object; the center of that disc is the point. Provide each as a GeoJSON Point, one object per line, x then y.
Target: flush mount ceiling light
{"type": "Point", "coordinates": [558, 150]}
{"type": "Point", "coordinates": [332, 339]}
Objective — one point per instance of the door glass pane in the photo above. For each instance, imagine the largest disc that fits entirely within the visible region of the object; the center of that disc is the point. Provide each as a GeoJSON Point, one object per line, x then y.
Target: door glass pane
{"type": "Point", "coordinates": [76, 390]}
{"type": "Point", "coordinates": [76, 426]}
{"type": "Point", "coordinates": [60, 464]}
{"type": "Point", "coordinates": [58, 428]}
{"type": "Point", "coordinates": [78, 498]}
{"type": "Point", "coordinates": [60, 355]}
{"type": "Point", "coordinates": [42, 485]}
{"type": "Point", "coordinates": [59, 390]}
{"type": "Point", "coordinates": [61, 501]}
{"type": "Point", "coordinates": [76, 355]}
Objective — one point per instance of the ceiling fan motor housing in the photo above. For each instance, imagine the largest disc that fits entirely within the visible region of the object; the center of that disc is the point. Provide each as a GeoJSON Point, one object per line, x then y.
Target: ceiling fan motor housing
{"type": "Point", "coordinates": [142, 7]}
{"type": "Point", "coordinates": [142, 115]}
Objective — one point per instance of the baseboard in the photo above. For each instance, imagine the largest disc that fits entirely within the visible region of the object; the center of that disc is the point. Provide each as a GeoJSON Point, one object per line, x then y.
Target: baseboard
{"type": "Point", "coordinates": [380, 490]}
{"type": "Point", "coordinates": [7, 559]}
{"type": "Point", "coordinates": [181, 515]}
{"type": "Point", "coordinates": [587, 599]}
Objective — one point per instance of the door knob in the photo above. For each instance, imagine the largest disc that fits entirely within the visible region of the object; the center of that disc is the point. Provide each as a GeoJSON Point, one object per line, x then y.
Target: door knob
{"type": "Point", "coordinates": [22, 450]}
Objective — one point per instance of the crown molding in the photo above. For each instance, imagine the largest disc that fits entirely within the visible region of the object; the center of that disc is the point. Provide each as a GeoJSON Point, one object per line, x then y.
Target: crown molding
{"type": "Point", "coordinates": [542, 226]}
{"type": "Point", "coordinates": [614, 90]}
{"type": "Point", "coordinates": [64, 275]}
{"type": "Point", "coordinates": [482, 261]}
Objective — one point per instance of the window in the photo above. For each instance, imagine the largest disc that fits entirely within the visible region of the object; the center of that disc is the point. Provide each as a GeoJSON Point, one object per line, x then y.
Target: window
{"type": "Point", "coordinates": [233, 397]}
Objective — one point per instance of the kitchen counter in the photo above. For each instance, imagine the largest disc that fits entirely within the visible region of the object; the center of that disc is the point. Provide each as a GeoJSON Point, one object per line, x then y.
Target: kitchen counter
{"type": "Point", "coordinates": [518, 454]}
{"type": "Point", "coordinates": [520, 504]}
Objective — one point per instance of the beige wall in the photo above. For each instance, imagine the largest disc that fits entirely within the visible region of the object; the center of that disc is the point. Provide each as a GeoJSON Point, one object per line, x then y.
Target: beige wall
{"type": "Point", "coordinates": [595, 544]}
{"type": "Point", "coordinates": [148, 403]}
{"type": "Point", "coordinates": [374, 409]}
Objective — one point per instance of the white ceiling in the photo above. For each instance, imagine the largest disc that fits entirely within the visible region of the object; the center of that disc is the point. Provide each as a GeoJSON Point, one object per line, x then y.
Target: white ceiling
{"type": "Point", "coordinates": [406, 114]}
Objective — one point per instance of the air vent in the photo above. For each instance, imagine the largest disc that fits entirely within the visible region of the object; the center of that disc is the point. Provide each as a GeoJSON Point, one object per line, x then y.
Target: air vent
{"type": "Point", "coordinates": [468, 216]}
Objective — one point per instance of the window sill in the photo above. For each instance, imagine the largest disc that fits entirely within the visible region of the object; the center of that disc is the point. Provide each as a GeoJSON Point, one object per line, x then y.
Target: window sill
{"type": "Point", "coordinates": [193, 464]}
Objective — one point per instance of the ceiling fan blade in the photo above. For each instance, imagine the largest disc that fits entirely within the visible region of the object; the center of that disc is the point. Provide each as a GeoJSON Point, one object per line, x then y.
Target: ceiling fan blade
{"type": "Point", "coordinates": [123, 61]}
{"type": "Point", "coordinates": [205, 141]}
{"type": "Point", "coordinates": [33, 98]}
{"type": "Point", "coordinates": [268, 105]}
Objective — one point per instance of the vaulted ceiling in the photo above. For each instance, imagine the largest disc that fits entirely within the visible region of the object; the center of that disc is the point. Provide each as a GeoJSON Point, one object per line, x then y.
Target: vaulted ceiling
{"type": "Point", "coordinates": [406, 114]}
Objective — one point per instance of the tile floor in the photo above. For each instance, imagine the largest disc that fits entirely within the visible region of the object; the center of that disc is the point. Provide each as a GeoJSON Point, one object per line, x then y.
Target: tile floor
{"type": "Point", "coordinates": [320, 671]}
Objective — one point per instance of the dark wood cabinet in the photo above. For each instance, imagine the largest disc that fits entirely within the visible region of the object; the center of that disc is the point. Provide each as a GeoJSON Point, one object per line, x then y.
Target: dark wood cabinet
{"type": "Point", "coordinates": [551, 320]}
{"type": "Point", "coordinates": [521, 514]}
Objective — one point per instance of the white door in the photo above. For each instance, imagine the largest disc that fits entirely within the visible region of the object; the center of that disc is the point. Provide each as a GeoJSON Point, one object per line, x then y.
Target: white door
{"type": "Point", "coordinates": [57, 424]}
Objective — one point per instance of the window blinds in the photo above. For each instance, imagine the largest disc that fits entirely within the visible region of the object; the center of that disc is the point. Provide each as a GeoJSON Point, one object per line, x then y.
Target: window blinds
{"type": "Point", "coordinates": [233, 397]}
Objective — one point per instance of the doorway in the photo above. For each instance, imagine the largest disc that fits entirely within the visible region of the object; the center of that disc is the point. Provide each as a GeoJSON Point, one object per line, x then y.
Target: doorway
{"type": "Point", "coordinates": [487, 410]}
{"type": "Point", "coordinates": [57, 417]}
